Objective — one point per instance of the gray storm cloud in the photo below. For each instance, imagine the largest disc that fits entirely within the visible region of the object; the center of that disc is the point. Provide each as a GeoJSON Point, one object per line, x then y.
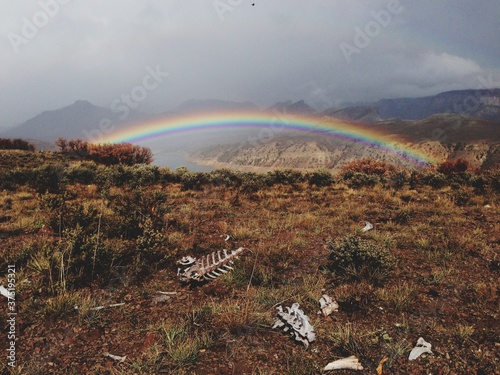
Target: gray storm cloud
{"type": "Point", "coordinates": [54, 52]}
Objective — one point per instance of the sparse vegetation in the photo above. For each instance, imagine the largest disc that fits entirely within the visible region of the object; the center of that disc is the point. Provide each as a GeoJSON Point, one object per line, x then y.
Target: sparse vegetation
{"type": "Point", "coordinates": [86, 234]}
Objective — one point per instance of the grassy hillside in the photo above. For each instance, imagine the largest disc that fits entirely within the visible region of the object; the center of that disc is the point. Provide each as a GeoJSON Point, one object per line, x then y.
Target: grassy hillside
{"type": "Point", "coordinates": [86, 235]}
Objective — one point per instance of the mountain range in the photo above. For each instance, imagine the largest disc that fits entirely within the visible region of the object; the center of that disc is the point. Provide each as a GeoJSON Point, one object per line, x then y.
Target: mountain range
{"type": "Point", "coordinates": [434, 124]}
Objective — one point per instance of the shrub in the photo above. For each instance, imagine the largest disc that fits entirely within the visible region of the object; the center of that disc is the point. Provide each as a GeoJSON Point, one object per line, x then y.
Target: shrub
{"type": "Point", "coordinates": [479, 184]}
{"type": "Point", "coordinates": [108, 154]}
{"type": "Point", "coordinates": [357, 179]}
{"type": "Point", "coordinates": [193, 180]}
{"type": "Point", "coordinates": [399, 179]}
{"type": "Point", "coordinates": [449, 167]}
{"type": "Point", "coordinates": [143, 175]}
{"type": "Point", "coordinates": [493, 178]}
{"type": "Point", "coordinates": [320, 178]}
{"type": "Point", "coordinates": [368, 167]}
{"type": "Point", "coordinates": [152, 243]}
{"type": "Point", "coordinates": [435, 180]}
{"type": "Point", "coordinates": [15, 144]}
{"type": "Point", "coordinates": [252, 182]}
{"type": "Point", "coordinates": [225, 177]}
{"type": "Point", "coordinates": [357, 259]}
{"type": "Point", "coordinates": [84, 173]}
{"type": "Point", "coordinates": [286, 177]}
{"type": "Point", "coordinates": [9, 180]}
{"type": "Point", "coordinates": [47, 178]}
{"type": "Point", "coordinates": [462, 196]}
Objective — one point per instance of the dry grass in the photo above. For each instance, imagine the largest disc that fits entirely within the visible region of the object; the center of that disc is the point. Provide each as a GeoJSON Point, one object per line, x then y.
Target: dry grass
{"type": "Point", "coordinates": [443, 283]}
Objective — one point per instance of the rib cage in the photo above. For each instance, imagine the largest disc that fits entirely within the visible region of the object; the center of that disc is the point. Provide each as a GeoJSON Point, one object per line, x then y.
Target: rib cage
{"type": "Point", "coordinates": [208, 267]}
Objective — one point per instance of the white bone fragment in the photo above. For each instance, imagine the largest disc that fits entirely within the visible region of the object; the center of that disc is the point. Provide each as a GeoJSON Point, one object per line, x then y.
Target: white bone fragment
{"type": "Point", "coordinates": [167, 293]}
{"type": "Point", "coordinates": [419, 349]}
{"type": "Point", "coordinates": [103, 307]}
{"type": "Point", "coordinates": [115, 357]}
{"type": "Point", "coordinates": [5, 292]}
{"type": "Point", "coordinates": [227, 237]}
{"type": "Point", "coordinates": [350, 363]}
{"type": "Point", "coordinates": [97, 308]}
{"type": "Point", "coordinates": [296, 323]}
{"type": "Point", "coordinates": [368, 226]}
{"type": "Point", "coordinates": [327, 305]}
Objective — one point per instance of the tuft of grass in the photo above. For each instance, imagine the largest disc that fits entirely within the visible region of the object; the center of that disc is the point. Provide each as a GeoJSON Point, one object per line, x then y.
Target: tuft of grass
{"type": "Point", "coordinates": [463, 332]}
{"type": "Point", "coordinates": [348, 339]}
{"type": "Point", "coordinates": [182, 342]}
{"type": "Point", "coordinates": [60, 306]}
{"type": "Point", "coordinates": [396, 349]}
{"type": "Point", "coordinates": [150, 362]}
{"type": "Point", "coordinates": [398, 297]}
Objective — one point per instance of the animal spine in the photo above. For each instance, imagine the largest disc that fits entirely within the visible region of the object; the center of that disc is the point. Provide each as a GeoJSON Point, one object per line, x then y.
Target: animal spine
{"type": "Point", "coordinates": [296, 323]}
{"type": "Point", "coordinates": [209, 267]}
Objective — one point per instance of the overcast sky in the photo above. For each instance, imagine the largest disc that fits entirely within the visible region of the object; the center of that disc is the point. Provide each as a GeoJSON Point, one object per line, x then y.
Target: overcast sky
{"type": "Point", "coordinates": [164, 52]}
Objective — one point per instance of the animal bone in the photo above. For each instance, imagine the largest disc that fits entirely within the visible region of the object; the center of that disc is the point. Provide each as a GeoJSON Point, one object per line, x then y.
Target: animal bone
{"type": "Point", "coordinates": [351, 363]}
{"type": "Point", "coordinates": [296, 323]}
{"type": "Point", "coordinates": [327, 305]}
{"type": "Point", "coordinates": [419, 349]}
{"type": "Point", "coordinates": [97, 308]}
{"type": "Point", "coordinates": [368, 226]}
{"type": "Point", "coordinates": [115, 357]}
{"type": "Point", "coordinates": [209, 267]}
{"type": "Point", "coordinates": [5, 292]}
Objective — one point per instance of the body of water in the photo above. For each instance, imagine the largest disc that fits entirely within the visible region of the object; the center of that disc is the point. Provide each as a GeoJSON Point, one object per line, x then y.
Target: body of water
{"type": "Point", "coordinates": [174, 160]}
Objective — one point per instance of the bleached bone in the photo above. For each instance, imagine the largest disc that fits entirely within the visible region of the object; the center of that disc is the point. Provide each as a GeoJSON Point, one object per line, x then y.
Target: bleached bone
{"type": "Point", "coordinates": [97, 308]}
{"type": "Point", "coordinates": [368, 226]}
{"type": "Point", "coordinates": [419, 349]}
{"type": "Point", "coordinates": [208, 267]}
{"type": "Point", "coordinates": [296, 323]}
{"type": "Point", "coordinates": [5, 292]}
{"type": "Point", "coordinates": [327, 305]}
{"type": "Point", "coordinates": [115, 357]}
{"type": "Point", "coordinates": [164, 296]}
{"type": "Point", "coordinates": [351, 363]}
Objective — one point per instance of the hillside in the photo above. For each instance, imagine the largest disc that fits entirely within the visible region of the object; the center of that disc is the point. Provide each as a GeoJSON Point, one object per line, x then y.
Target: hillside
{"type": "Point", "coordinates": [96, 254]}
{"type": "Point", "coordinates": [441, 137]}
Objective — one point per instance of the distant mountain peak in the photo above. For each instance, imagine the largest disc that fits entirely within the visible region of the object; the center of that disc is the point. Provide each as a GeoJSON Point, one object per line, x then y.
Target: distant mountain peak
{"type": "Point", "coordinates": [78, 120]}
{"type": "Point", "coordinates": [299, 106]}
{"type": "Point", "coordinates": [83, 103]}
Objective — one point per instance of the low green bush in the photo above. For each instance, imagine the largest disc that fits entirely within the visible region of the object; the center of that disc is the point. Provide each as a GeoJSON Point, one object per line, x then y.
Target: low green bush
{"type": "Point", "coordinates": [354, 258]}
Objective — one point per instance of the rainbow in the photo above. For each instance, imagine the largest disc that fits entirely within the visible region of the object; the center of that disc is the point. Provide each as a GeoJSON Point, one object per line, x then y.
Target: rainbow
{"type": "Point", "coordinates": [268, 123]}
